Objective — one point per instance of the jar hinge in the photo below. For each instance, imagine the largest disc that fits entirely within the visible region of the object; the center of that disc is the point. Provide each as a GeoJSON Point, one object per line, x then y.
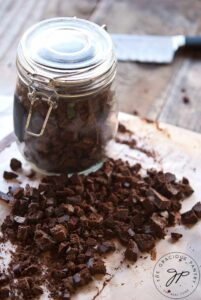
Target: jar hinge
{"type": "Point", "coordinates": [35, 96]}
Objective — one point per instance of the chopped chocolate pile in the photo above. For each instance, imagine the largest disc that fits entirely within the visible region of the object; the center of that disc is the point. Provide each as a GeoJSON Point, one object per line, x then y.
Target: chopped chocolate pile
{"type": "Point", "coordinates": [15, 164]}
{"type": "Point", "coordinates": [64, 228]}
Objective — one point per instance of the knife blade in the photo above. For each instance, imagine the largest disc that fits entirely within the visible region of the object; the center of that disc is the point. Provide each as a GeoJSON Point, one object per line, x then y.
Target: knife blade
{"type": "Point", "coordinates": [150, 48]}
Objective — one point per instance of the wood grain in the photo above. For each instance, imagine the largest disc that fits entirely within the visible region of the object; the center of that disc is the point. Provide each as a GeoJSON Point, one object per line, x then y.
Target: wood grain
{"type": "Point", "coordinates": [149, 88]}
{"type": "Point", "coordinates": [154, 91]}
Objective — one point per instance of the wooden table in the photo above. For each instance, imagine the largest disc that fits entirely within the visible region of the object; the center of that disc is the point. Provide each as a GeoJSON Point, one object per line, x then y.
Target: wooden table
{"type": "Point", "coordinates": [154, 91]}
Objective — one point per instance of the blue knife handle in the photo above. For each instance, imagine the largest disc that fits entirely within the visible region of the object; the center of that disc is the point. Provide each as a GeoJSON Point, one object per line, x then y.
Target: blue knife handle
{"type": "Point", "coordinates": [193, 41]}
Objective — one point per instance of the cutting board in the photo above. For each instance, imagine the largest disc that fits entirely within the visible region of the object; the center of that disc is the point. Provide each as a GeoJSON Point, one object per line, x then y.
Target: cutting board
{"type": "Point", "coordinates": [175, 150]}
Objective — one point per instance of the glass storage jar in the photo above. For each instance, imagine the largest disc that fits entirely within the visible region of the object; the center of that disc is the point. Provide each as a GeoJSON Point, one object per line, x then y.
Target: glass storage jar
{"type": "Point", "coordinates": [64, 106]}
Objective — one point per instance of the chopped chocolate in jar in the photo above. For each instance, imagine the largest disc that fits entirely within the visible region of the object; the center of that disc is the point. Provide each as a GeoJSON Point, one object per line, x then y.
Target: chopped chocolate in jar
{"type": "Point", "coordinates": [58, 150]}
{"type": "Point", "coordinates": [65, 110]}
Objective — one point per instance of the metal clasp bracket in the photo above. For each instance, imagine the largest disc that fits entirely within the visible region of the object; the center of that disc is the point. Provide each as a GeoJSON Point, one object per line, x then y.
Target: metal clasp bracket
{"type": "Point", "coordinates": [35, 96]}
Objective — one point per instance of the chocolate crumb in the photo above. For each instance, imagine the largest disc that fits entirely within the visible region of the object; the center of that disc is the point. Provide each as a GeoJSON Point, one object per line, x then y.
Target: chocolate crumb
{"type": "Point", "coordinates": [135, 113]}
{"type": "Point", "coordinates": [185, 99]}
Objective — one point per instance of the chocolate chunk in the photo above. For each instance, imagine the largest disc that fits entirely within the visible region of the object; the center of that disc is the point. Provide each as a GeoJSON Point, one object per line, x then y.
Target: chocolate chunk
{"type": "Point", "coordinates": [132, 251]}
{"type": "Point", "coordinates": [197, 209]}
{"type": "Point", "coordinates": [145, 242]}
{"type": "Point", "coordinates": [15, 164]}
{"type": "Point", "coordinates": [176, 236]}
{"type": "Point", "coordinates": [106, 247]}
{"type": "Point", "coordinates": [189, 217]}
{"type": "Point", "coordinates": [36, 291]}
{"type": "Point", "coordinates": [82, 278]}
{"type": "Point", "coordinates": [4, 279]}
{"type": "Point", "coordinates": [121, 214]}
{"type": "Point", "coordinates": [161, 201]}
{"type": "Point", "coordinates": [158, 224]}
{"type": "Point", "coordinates": [96, 266]}
{"type": "Point", "coordinates": [4, 293]}
{"type": "Point", "coordinates": [59, 232]}
{"type": "Point", "coordinates": [23, 233]}
{"type": "Point", "coordinates": [9, 175]}
{"type": "Point", "coordinates": [43, 240]}
{"type": "Point", "coordinates": [31, 270]}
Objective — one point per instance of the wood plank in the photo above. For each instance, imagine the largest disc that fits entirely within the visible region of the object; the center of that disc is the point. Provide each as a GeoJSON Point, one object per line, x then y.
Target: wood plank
{"type": "Point", "coordinates": [145, 88]}
{"type": "Point", "coordinates": [175, 110]}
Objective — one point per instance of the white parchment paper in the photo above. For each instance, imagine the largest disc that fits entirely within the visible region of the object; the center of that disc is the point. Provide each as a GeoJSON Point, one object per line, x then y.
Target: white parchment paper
{"type": "Point", "coordinates": [177, 151]}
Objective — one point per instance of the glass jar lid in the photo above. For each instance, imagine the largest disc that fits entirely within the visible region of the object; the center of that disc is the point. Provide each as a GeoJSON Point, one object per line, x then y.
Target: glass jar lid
{"type": "Point", "coordinates": [67, 50]}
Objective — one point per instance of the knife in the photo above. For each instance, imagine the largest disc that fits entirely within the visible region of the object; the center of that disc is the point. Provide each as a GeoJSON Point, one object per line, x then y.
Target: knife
{"type": "Point", "coordinates": [151, 48]}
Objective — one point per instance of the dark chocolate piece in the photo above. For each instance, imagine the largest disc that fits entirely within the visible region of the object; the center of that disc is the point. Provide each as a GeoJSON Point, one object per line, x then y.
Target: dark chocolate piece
{"type": "Point", "coordinates": [106, 247]}
{"type": "Point", "coordinates": [176, 236]}
{"type": "Point", "coordinates": [15, 164]}
{"type": "Point", "coordinates": [145, 242]}
{"type": "Point", "coordinates": [9, 175]}
{"type": "Point", "coordinates": [43, 240]}
{"type": "Point", "coordinates": [59, 232]}
{"type": "Point", "coordinates": [197, 209]}
{"type": "Point", "coordinates": [189, 217]}
{"type": "Point", "coordinates": [132, 251]}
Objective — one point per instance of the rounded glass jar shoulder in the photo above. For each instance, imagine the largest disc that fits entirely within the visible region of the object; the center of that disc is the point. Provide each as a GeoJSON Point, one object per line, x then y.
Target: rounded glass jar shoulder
{"type": "Point", "coordinates": [76, 135]}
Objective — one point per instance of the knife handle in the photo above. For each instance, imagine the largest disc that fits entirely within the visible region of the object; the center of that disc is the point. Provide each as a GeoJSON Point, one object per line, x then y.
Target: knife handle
{"type": "Point", "coordinates": [193, 41]}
